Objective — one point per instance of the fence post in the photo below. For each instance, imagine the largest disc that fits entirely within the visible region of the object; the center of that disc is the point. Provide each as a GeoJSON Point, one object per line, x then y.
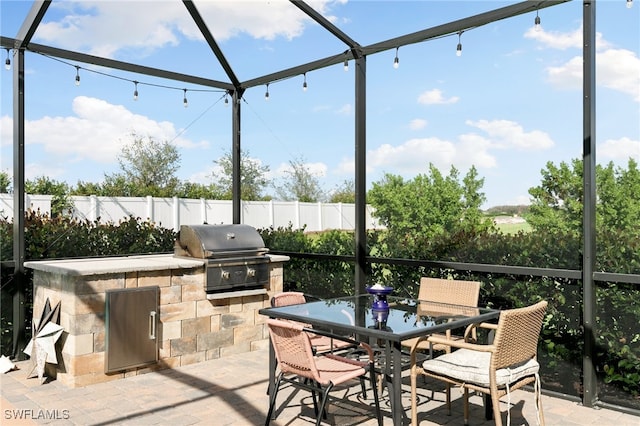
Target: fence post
{"type": "Point", "coordinates": [272, 214]}
{"type": "Point", "coordinates": [93, 212]}
{"type": "Point", "coordinates": [203, 211]}
{"type": "Point", "coordinates": [319, 216]}
{"type": "Point", "coordinates": [150, 212]}
{"type": "Point", "coordinates": [176, 214]}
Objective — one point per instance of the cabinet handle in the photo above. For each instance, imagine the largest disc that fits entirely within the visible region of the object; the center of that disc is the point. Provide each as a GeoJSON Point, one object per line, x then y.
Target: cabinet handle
{"type": "Point", "coordinates": [152, 325]}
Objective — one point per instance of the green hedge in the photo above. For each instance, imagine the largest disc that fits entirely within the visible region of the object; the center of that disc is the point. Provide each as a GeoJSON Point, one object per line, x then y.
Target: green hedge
{"type": "Point", "coordinates": [561, 344]}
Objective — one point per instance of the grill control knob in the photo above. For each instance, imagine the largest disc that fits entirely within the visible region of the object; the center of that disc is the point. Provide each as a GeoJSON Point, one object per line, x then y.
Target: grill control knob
{"type": "Point", "coordinates": [251, 272]}
{"type": "Point", "coordinates": [226, 275]}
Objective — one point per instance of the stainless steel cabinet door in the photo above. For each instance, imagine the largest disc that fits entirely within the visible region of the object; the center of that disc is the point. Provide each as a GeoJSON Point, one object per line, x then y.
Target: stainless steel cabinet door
{"type": "Point", "coordinates": [131, 319]}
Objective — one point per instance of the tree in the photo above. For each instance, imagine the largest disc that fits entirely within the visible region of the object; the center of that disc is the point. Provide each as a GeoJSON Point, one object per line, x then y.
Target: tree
{"type": "Point", "coordinates": [300, 184]}
{"type": "Point", "coordinates": [473, 218]}
{"type": "Point", "coordinates": [43, 185]}
{"type": "Point", "coordinates": [431, 204]}
{"type": "Point", "coordinates": [557, 202]}
{"type": "Point", "coordinates": [148, 168]}
{"type": "Point", "coordinates": [198, 190]}
{"type": "Point", "coordinates": [253, 177]}
{"type": "Point", "coordinates": [87, 188]}
{"type": "Point", "coordinates": [344, 193]}
{"type": "Point", "coordinates": [5, 182]}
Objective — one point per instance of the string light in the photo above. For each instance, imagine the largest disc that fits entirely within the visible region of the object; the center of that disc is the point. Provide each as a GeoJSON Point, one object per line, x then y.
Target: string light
{"type": "Point", "coordinates": [7, 62]}
{"type": "Point", "coordinates": [629, 4]}
{"type": "Point", "coordinates": [346, 64]}
{"type": "Point", "coordinates": [396, 61]}
{"type": "Point", "coordinates": [226, 99]}
{"type": "Point", "coordinates": [304, 85]}
{"type": "Point", "coordinates": [135, 82]}
{"type": "Point", "coordinates": [459, 47]}
{"type": "Point", "coordinates": [537, 22]}
{"type": "Point", "coordinates": [266, 95]}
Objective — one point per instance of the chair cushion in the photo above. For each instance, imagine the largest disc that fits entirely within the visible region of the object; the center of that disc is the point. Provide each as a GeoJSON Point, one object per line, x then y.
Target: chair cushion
{"type": "Point", "coordinates": [470, 366]}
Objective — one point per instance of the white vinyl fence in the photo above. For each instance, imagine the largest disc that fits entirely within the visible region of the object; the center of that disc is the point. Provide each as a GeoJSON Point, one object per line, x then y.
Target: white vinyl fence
{"type": "Point", "coordinates": [173, 212]}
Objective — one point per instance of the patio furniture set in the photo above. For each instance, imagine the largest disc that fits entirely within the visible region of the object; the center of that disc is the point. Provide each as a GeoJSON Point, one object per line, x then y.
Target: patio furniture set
{"type": "Point", "coordinates": [323, 344]}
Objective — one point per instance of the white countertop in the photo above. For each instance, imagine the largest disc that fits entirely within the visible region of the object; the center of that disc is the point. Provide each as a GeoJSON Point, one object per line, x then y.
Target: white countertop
{"type": "Point", "coordinates": [108, 265]}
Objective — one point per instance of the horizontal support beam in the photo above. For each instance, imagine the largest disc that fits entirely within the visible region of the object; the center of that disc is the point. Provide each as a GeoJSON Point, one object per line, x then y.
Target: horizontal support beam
{"type": "Point", "coordinates": [417, 37]}
{"type": "Point", "coordinates": [69, 55]}
{"type": "Point", "coordinates": [462, 25]}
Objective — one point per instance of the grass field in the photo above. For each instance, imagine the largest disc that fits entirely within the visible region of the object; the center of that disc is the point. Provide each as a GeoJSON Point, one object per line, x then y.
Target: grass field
{"type": "Point", "coordinates": [507, 225]}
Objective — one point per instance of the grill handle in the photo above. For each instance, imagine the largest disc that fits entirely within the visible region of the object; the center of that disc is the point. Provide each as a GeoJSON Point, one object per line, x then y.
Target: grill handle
{"type": "Point", "coordinates": [152, 325]}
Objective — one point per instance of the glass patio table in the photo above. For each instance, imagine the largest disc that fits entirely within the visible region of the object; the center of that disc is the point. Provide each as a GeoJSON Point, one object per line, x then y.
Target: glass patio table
{"type": "Point", "coordinates": [404, 319]}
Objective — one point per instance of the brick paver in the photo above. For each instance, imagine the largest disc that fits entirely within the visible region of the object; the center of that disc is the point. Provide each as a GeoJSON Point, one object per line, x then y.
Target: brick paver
{"type": "Point", "coordinates": [232, 391]}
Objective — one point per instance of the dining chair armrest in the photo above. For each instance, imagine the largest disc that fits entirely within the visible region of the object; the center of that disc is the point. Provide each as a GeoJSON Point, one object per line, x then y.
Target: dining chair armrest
{"type": "Point", "coordinates": [470, 332]}
{"type": "Point", "coordinates": [414, 348]}
{"type": "Point", "coordinates": [334, 336]}
{"type": "Point", "coordinates": [461, 344]}
{"type": "Point", "coordinates": [345, 339]}
{"type": "Point", "coordinates": [369, 349]}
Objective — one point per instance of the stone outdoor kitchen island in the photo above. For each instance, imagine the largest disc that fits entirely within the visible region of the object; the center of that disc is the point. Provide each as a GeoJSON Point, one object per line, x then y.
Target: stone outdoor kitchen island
{"type": "Point", "coordinates": [191, 327]}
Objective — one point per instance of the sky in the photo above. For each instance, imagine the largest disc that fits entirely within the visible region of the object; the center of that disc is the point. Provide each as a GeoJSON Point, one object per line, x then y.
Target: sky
{"type": "Point", "coordinates": [508, 105]}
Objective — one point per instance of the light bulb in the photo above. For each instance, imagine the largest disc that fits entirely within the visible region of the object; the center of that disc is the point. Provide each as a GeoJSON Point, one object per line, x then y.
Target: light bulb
{"type": "Point", "coordinates": [537, 23]}
{"type": "Point", "coordinates": [459, 46]}
{"type": "Point", "coordinates": [396, 60]}
{"type": "Point", "coordinates": [266, 95]}
{"type": "Point", "coordinates": [135, 91]}
{"type": "Point", "coordinates": [226, 100]}
{"type": "Point", "coordinates": [304, 85]}
{"type": "Point", "coordinates": [629, 4]}
{"type": "Point", "coordinates": [346, 65]}
{"type": "Point", "coordinates": [77, 77]}
{"type": "Point", "coordinates": [184, 100]}
{"type": "Point", "coordinates": [7, 62]}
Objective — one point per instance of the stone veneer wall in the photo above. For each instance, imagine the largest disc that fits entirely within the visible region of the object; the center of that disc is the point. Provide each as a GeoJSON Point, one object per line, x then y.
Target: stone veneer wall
{"type": "Point", "coordinates": [191, 328]}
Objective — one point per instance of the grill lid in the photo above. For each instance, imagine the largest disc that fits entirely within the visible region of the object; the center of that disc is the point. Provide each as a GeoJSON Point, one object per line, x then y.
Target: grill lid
{"type": "Point", "coordinates": [215, 241]}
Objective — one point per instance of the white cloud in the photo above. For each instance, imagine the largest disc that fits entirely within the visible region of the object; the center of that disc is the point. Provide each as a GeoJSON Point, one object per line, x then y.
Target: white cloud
{"type": "Point", "coordinates": [509, 134]}
{"type": "Point", "coordinates": [6, 130]}
{"type": "Point", "coordinates": [345, 109]}
{"type": "Point", "coordinates": [620, 149]}
{"type": "Point", "coordinates": [619, 69]}
{"type": "Point", "coordinates": [434, 96]}
{"type": "Point", "coordinates": [567, 76]}
{"type": "Point", "coordinates": [563, 41]}
{"type": "Point", "coordinates": [616, 69]}
{"type": "Point", "coordinates": [346, 167]}
{"type": "Point", "coordinates": [470, 149]}
{"type": "Point", "coordinates": [97, 131]}
{"type": "Point", "coordinates": [106, 27]}
{"type": "Point", "coordinates": [48, 169]}
{"type": "Point", "coordinates": [413, 156]}
{"type": "Point", "coordinates": [417, 124]}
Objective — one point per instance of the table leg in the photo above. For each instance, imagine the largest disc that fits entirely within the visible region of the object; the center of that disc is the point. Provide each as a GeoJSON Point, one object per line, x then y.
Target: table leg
{"type": "Point", "coordinates": [395, 390]}
{"type": "Point", "coordinates": [272, 369]}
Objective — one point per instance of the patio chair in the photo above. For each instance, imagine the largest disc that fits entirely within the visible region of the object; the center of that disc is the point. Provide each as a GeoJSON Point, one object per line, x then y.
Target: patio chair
{"type": "Point", "coordinates": [319, 343]}
{"type": "Point", "coordinates": [455, 292]}
{"type": "Point", "coordinates": [496, 369]}
{"type": "Point", "coordinates": [320, 373]}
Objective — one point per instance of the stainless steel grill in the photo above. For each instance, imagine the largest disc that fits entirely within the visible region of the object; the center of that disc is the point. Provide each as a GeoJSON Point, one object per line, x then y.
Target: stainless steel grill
{"type": "Point", "coordinates": [235, 255]}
